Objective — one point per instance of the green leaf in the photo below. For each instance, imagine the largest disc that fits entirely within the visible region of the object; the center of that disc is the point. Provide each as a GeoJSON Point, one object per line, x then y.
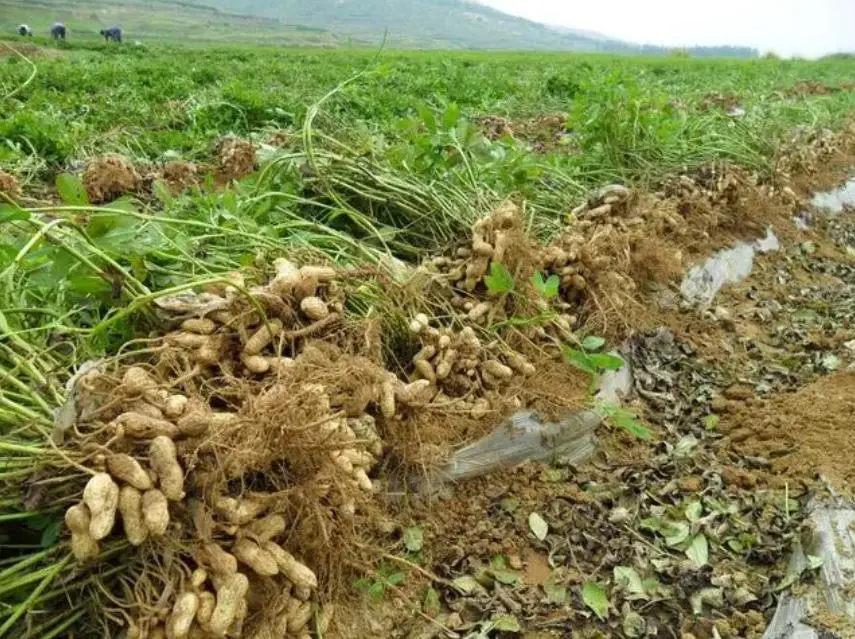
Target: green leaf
{"type": "Point", "coordinates": [451, 116]}
{"type": "Point", "coordinates": [124, 203]}
{"type": "Point", "coordinates": [580, 360]}
{"type": "Point", "coordinates": [71, 190]}
{"type": "Point", "coordinates": [555, 593]}
{"type": "Point", "coordinates": [396, 578]}
{"type": "Point", "coordinates": [427, 116]}
{"type": "Point", "coordinates": [504, 576]}
{"type": "Point", "coordinates": [363, 584]}
{"type": "Point", "coordinates": [815, 562]}
{"type": "Point", "coordinates": [625, 419]}
{"type": "Point", "coordinates": [499, 280]}
{"type": "Point", "coordinates": [595, 598]}
{"type": "Point", "coordinates": [431, 605]}
{"type": "Point", "coordinates": [89, 285]}
{"type": "Point", "coordinates": [376, 591]}
{"type": "Point", "coordinates": [506, 623]}
{"type": "Point", "coordinates": [698, 550]}
{"type": "Point", "coordinates": [229, 201]}
{"type": "Point", "coordinates": [711, 421]}
{"type": "Point", "coordinates": [606, 361]}
{"type": "Point", "coordinates": [735, 545]}
{"type": "Point", "coordinates": [102, 224]}
{"type": "Point", "coordinates": [694, 511]}
{"type": "Point", "coordinates": [50, 534]}
{"type": "Point", "coordinates": [160, 190]}
{"type": "Point", "coordinates": [593, 343]}
{"type": "Point", "coordinates": [538, 526]}
{"type": "Point", "coordinates": [547, 288]}
{"type": "Point", "coordinates": [510, 504]}
{"type": "Point", "coordinates": [628, 579]}
{"type": "Point", "coordinates": [11, 213]}
{"type": "Point", "coordinates": [413, 538]}
{"type": "Point", "coordinates": [675, 532]}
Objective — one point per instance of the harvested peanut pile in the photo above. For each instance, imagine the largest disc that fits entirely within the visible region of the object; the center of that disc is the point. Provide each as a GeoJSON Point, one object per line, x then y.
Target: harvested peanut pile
{"type": "Point", "coordinates": [180, 176]}
{"type": "Point", "coordinates": [237, 450]}
{"type": "Point", "coordinates": [235, 158]}
{"type": "Point", "coordinates": [108, 177]}
{"type": "Point", "coordinates": [9, 186]}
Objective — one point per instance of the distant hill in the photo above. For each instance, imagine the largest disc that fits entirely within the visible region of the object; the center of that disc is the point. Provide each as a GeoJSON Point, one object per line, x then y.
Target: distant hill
{"type": "Point", "coordinates": [449, 24]}
{"type": "Point", "coordinates": [420, 23]}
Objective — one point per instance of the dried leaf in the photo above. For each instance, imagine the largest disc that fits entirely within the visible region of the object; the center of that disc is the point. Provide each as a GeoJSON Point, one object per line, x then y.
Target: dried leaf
{"type": "Point", "coordinates": [555, 593]}
{"type": "Point", "coordinates": [506, 623]}
{"type": "Point", "coordinates": [634, 625]}
{"type": "Point", "coordinates": [628, 579]}
{"type": "Point", "coordinates": [467, 584]}
{"type": "Point", "coordinates": [538, 526]}
{"type": "Point", "coordinates": [413, 538]}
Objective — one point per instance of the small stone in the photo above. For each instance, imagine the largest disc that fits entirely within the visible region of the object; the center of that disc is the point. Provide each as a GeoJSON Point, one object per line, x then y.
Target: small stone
{"type": "Point", "coordinates": [739, 393]}
{"type": "Point", "coordinates": [691, 484]}
{"type": "Point", "coordinates": [733, 476]}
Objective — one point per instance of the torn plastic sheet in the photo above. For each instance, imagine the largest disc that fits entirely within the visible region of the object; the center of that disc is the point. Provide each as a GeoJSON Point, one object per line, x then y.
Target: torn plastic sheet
{"type": "Point", "coordinates": [729, 266]}
{"type": "Point", "coordinates": [836, 200]}
{"type": "Point", "coordinates": [833, 542]}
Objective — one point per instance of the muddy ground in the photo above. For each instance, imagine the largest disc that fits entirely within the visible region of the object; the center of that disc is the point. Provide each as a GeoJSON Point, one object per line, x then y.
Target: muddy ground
{"type": "Point", "coordinates": [750, 402]}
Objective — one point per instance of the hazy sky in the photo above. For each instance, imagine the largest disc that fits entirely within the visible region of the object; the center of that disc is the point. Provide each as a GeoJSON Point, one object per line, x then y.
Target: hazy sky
{"type": "Point", "coordinates": [789, 27]}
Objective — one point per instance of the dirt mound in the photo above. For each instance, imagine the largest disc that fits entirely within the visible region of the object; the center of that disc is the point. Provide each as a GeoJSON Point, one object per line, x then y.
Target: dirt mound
{"type": "Point", "coordinates": [178, 175]}
{"type": "Point", "coordinates": [544, 133]}
{"type": "Point", "coordinates": [280, 138]}
{"type": "Point", "coordinates": [806, 435]}
{"type": "Point", "coordinates": [235, 159]}
{"type": "Point", "coordinates": [9, 186]}
{"type": "Point", "coordinates": [108, 177]}
{"type": "Point", "coordinates": [807, 88]}
{"type": "Point", "coordinates": [32, 51]}
{"type": "Point", "coordinates": [720, 101]}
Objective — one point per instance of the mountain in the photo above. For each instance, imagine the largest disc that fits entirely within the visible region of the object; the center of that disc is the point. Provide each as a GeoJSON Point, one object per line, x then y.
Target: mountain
{"type": "Point", "coordinates": [419, 23]}
{"type": "Point", "coordinates": [582, 33]}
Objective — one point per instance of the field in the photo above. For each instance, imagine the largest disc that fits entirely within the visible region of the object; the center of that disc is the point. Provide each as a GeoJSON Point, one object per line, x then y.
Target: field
{"type": "Point", "coordinates": [269, 292]}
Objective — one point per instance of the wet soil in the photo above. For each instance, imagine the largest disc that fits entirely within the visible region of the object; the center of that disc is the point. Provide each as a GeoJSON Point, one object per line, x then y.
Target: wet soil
{"type": "Point", "coordinates": [806, 436]}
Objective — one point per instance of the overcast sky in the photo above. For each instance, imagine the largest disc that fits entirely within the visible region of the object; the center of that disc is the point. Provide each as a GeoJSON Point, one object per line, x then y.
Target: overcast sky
{"type": "Point", "coordinates": [789, 27]}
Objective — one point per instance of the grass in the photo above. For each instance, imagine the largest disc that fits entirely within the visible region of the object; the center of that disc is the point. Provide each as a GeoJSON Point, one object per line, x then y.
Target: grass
{"type": "Point", "coordinates": [390, 165]}
{"type": "Point", "coordinates": [155, 22]}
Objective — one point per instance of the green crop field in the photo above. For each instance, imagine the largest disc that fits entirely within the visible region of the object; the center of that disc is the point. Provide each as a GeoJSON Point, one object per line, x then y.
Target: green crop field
{"type": "Point", "coordinates": [365, 159]}
{"type": "Point", "coordinates": [624, 118]}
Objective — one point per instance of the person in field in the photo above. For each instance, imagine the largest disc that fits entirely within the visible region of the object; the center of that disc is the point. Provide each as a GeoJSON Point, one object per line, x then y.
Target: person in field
{"type": "Point", "coordinates": [57, 31]}
{"type": "Point", "coordinates": [112, 33]}
{"type": "Point", "coordinates": [24, 30]}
